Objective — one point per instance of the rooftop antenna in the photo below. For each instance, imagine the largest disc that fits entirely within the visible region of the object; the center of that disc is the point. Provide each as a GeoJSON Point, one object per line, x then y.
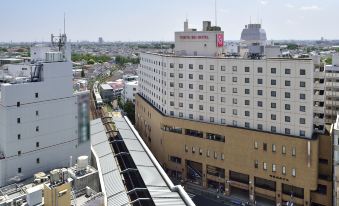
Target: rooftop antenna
{"type": "Point", "coordinates": [64, 22]}
{"type": "Point", "coordinates": [215, 12]}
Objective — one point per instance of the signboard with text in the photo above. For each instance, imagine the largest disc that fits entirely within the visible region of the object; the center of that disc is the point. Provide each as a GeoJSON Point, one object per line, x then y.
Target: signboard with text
{"type": "Point", "coordinates": [220, 40]}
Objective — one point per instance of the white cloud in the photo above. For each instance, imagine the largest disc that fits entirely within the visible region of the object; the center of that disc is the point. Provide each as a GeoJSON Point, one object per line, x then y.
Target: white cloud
{"type": "Point", "coordinates": [309, 8]}
{"type": "Point", "coordinates": [263, 2]}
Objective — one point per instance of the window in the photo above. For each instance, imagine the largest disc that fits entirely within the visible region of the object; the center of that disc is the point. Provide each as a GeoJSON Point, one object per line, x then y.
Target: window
{"type": "Point", "coordinates": [172, 84]}
{"type": "Point", "coordinates": [273, 82]}
{"type": "Point", "coordinates": [37, 144]}
{"type": "Point", "coordinates": [171, 103]}
{"type": "Point", "coordinates": [223, 110]}
{"type": "Point", "coordinates": [171, 65]}
{"type": "Point", "coordinates": [234, 90]}
{"type": "Point", "coordinates": [302, 96]}
{"type": "Point", "coordinates": [302, 133]}
{"type": "Point", "coordinates": [211, 109]}
{"type": "Point", "coordinates": [190, 106]}
{"type": "Point", "coordinates": [287, 119]}
{"type": "Point", "coordinates": [181, 85]}
{"type": "Point", "coordinates": [18, 120]}
{"type": "Point", "coordinates": [211, 98]}
{"type": "Point", "coordinates": [294, 172]}
{"type": "Point", "coordinates": [287, 71]}
{"type": "Point", "coordinates": [247, 80]}
{"type": "Point", "coordinates": [190, 116]}
{"type": "Point", "coordinates": [190, 66]}
{"type": "Point", "coordinates": [19, 136]}
{"type": "Point", "coordinates": [247, 124]}
{"type": "Point", "coordinates": [235, 101]}
{"type": "Point", "coordinates": [287, 107]}
{"type": "Point", "coordinates": [212, 78]}
{"type": "Point", "coordinates": [247, 69]}
{"type": "Point", "coordinates": [287, 95]}
{"type": "Point", "coordinates": [201, 87]}
{"type": "Point", "coordinates": [172, 94]}
{"type": "Point", "coordinates": [181, 114]}
{"type": "Point", "coordinates": [223, 121]}
{"type": "Point", "coordinates": [223, 89]}
{"type": "Point", "coordinates": [19, 170]}
{"type": "Point", "coordinates": [302, 72]}
{"type": "Point", "coordinates": [247, 102]}
{"type": "Point", "coordinates": [259, 81]}
{"type": "Point", "coordinates": [273, 117]}
{"type": "Point", "coordinates": [273, 105]}
{"type": "Point", "coordinates": [259, 103]}
{"type": "Point", "coordinates": [264, 146]}
{"type": "Point", "coordinates": [171, 74]}
{"type": "Point", "coordinates": [201, 97]}
{"type": "Point", "coordinates": [201, 77]}
{"type": "Point", "coordinates": [287, 131]}
{"type": "Point", "coordinates": [234, 79]}
{"type": "Point", "coordinates": [193, 150]}
{"type": "Point", "coordinates": [273, 70]}
{"type": "Point", "coordinates": [38, 160]}
{"type": "Point", "coordinates": [247, 113]}
{"type": "Point", "coordinates": [172, 113]}
{"type": "Point", "coordinates": [222, 78]}
{"type": "Point", "coordinates": [259, 69]}
{"type": "Point", "coordinates": [273, 168]}
{"type": "Point", "coordinates": [234, 68]}
{"type": "Point", "coordinates": [283, 170]}
{"type": "Point", "coordinates": [201, 67]}
{"type": "Point", "coordinates": [222, 68]}
{"type": "Point", "coordinates": [302, 120]}
{"type": "Point", "coordinates": [302, 84]}
{"type": "Point", "coordinates": [273, 93]}
{"type": "Point", "coordinates": [211, 88]}
{"type": "Point", "coordinates": [201, 117]}
{"type": "Point", "coordinates": [211, 67]}
{"type": "Point", "coordinates": [287, 83]}
{"type": "Point", "coordinates": [19, 153]}
{"type": "Point", "coordinates": [235, 112]}
{"type": "Point", "coordinates": [181, 104]}
{"type": "Point", "coordinates": [273, 148]}
{"type": "Point", "coordinates": [259, 92]}
{"type": "Point", "coordinates": [215, 155]}
{"type": "Point", "coordinates": [18, 104]}
{"type": "Point", "coordinates": [190, 96]}
{"type": "Point", "coordinates": [208, 153]}
{"type": "Point", "coordinates": [37, 128]}
{"type": "Point", "coordinates": [247, 91]}
{"type": "Point", "coordinates": [265, 166]}
{"type": "Point", "coordinates": [259, 126]}
{"type": "Point", "coordinates": [259, 115]}
{"type": "Point", "coordinates": [222, 156]}
{"type": "Point", "coordinates": [181, 66]}
{"type": "Point", "coordinates": [256, 164]}
{"type": "Point", "coordinates": [201, 107]}
{"type": "Point", "coordinates": [222, 99]}
{"type": "Point", "coordinates": [181, 75]}
{"type": "Point", "coordinates": [294, 152]}
{"type": "Point", "coordinates": [255, 145]}
{"type": "Point", "coordinates": [181, 95]}
{"type": "Point", "coordinates": [302, 108]}
{"type": "Point", "coordinates": [273, 129]}
{"type": "Point", "coordinates": [36, 95]}
{"type": "Point", "coordinates": [186, 148]}
{"type": "Point", "coordinates": [190, 76]}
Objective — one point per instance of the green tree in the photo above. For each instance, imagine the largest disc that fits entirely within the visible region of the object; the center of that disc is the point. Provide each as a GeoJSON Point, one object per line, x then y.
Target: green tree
{"type": "Point", "coordinates": [129, 108]}
{"type": "Point", "coordinates": [328, 60]}
{"type": "Point", "coordinates": [292, 46]}
{"type": "Point", "coordinates": [91, 61]}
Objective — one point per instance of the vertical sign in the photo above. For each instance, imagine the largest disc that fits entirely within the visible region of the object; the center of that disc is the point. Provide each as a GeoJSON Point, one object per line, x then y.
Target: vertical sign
{"type": "Point", "coordinates": [220, 40]}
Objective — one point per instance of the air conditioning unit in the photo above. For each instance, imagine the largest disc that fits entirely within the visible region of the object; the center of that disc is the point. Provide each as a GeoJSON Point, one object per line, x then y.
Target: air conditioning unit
{"type": "Point", "coordinates": [18, 202]}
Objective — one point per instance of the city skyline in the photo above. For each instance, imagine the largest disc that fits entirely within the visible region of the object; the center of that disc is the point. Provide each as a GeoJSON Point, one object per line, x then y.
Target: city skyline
{"type": "Point", "coordinates": [135, 21]}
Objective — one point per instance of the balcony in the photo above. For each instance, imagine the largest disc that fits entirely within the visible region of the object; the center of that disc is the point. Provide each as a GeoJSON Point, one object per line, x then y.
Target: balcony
{"type": "Point", "coordinates": [318, 85]}
{"type": "Point", "coordinates": [318, 109]}
{"type": "Point", "coordinates": [318, 120]}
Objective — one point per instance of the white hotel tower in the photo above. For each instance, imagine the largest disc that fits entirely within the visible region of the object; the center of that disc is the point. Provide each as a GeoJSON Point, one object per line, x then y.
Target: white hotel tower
{"type": "Point", "coordinates": [198, 82]}
{"type": "Point", "coordinates": [42, 122]}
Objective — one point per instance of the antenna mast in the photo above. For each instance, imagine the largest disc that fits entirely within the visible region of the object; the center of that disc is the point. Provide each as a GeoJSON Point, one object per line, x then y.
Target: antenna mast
{"type": "Point", "coordinates": [64, 22]}
{"type": "Point", "coordinates": [215, 12]}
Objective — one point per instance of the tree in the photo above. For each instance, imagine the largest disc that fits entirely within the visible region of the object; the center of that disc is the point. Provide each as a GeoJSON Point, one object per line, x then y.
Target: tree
{"type": "Point", "coordinates": [120, 104]}
{"type": "Point", "coordinates": [129, 108]}
{"type": "Point", "coordinates": [91, 61]}
{"type": "Point", "coordinates": [82, 73]}
{"type": "Point", "coordinates": [328, 60]}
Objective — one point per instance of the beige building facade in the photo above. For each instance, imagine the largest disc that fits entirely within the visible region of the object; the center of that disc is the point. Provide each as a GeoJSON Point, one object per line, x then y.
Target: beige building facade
{"type": "Point", "coordinates": [274, 167]}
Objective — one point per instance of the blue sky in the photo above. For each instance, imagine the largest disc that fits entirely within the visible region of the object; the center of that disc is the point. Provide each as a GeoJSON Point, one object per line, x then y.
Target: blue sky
{"type": "Point", "coordinates": [146, 20]}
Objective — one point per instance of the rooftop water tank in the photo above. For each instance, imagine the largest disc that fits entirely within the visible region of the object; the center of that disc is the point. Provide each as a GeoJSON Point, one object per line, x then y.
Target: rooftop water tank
{"type": "Point", "coordinates": [82, 163]}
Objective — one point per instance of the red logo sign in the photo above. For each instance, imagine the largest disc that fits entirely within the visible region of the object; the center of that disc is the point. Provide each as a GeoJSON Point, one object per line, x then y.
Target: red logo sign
{"type": "Point", "coordinates": [220, 40]}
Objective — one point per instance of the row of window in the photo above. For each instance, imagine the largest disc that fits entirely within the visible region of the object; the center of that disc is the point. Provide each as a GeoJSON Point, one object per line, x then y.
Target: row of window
{"type": "Point", "coordinates": [274, 148]}
{"type": "Point", "coordinates": [37, 161]}
{"type": "Point", "coordinates": [274, 168]}
{"type": "Point", "coordinates": [208, 153]}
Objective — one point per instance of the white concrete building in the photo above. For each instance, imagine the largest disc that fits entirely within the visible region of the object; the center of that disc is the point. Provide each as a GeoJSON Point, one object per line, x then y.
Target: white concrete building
{"type": "Point", "coordinates": [276, 95]}
{"type": "Point", "coordinates": [42, 122]}
{"type": "Point", "coordinates": [130, 89]}
{"type": "Point", "coordinates": [332, 89]}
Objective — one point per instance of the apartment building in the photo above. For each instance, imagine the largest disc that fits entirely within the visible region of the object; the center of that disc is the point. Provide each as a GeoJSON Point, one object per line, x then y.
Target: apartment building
{"type": "Point", "coordinates": [247, 124]}
{"type": "Point", "coordinates": [332, 88]}
{"type": "Point", "coordinates": [43, 124]}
